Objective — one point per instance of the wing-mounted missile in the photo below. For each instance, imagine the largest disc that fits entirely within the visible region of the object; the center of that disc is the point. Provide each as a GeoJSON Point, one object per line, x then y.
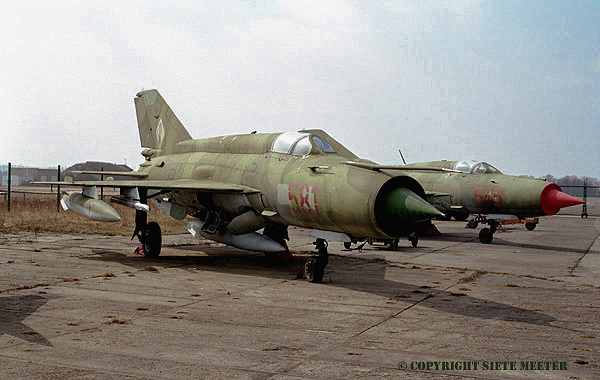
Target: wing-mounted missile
{"type": "Point", "coordinates": [174, 210]}
{"type": "Point", "coordinates": [87, 204]}
{"type": "Point", "coordinates": [246, 223]}
{"type": "Point", "coordinates": [251, 241]}
{"type": "Point", "coordinates": [131, 198]}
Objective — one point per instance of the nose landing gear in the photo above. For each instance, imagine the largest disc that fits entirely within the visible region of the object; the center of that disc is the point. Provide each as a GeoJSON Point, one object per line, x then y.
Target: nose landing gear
{"type": "Point", "coordinates": [486, 235]}
{"type": "Point", "coordinates": [314, 268]}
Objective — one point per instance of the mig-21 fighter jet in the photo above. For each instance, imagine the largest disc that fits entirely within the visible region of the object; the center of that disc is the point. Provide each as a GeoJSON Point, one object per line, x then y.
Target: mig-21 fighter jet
{"type": "Point", "coordinates": [232, 187]}
{"type": "Point", "coordinates": [461, 188]}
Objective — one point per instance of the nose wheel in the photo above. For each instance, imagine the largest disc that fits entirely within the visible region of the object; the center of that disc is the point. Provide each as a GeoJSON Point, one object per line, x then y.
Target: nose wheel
{"type": "Point", "coordinates": [486, 235]}
{"type": "Point", "coordinates": [314, 267]}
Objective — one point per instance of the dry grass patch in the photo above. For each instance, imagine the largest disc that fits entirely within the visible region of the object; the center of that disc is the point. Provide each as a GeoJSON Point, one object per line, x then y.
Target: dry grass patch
{"type": "Point", "coordinates": [118, 321]}
{"type": "Point", "coordinates": [40, 215]}
{"type": "Point", "coordinates": [472, 276]}
{"type": "Point", "coordinates": [148, 269]}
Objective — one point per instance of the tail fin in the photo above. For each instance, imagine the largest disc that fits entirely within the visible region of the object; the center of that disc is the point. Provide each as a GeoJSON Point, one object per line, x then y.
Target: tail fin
{"type": "Point", "coordinates": [158, 125]}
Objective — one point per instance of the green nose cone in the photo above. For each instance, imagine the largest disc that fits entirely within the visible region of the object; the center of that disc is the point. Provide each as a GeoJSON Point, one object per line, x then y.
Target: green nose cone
{"type": "Point", "coordinates": [404, 206]}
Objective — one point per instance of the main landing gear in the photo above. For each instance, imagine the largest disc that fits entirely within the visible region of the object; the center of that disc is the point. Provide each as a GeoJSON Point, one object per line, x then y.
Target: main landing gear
{"type": "Point", "coordinates": [148, 234]}
{"type": "Point", "coordinates": [314, 268]}
{"type": "Point", "coordinates": [393, 244]}
{"type": "Point", "coordinates": [486, 235]}
{"type": "Point", "coordinates": [151, 240]}
{"type": "Point", "coordinates": [413, 238]}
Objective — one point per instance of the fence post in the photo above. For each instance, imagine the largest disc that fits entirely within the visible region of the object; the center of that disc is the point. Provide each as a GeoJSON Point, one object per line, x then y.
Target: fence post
{"type": "Point", "coordinates": [58, 191]}
{"type": "Point", "coordinates": [9, 183]}
{"type": "Point", "coordinates": [102, 187]}
{"type": "Point", "coordinates": [584, 208]}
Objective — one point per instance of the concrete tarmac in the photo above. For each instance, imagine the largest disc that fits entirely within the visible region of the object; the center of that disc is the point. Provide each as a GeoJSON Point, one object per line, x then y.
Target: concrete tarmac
{"type": "Point", "coordinates": [524, 307]}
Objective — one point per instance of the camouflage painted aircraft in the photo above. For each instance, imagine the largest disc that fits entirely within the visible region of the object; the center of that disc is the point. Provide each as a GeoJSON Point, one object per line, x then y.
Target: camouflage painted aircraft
{"type": "Point", "coordinates": [461, 188]}
{"type": "Point", "coordinates": [230, 187]}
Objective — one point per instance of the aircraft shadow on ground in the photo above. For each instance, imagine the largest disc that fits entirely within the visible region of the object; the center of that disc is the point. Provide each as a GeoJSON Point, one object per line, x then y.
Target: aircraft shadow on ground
{"type": "Point", "coordinates": [508, 243]}
{"type": "Point", "coordinates": [470, 236]}
{"type": "Point", "coordinates": [373, 281]}
{"type": "Point", "coordinates": [13, 310]}
{"type": "Point", "coordinates": [361, 275]}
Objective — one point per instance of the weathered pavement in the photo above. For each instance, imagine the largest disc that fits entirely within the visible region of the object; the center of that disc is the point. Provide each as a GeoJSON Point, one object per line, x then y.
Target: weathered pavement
{"type": "Point", "coordinates": [87, 307]}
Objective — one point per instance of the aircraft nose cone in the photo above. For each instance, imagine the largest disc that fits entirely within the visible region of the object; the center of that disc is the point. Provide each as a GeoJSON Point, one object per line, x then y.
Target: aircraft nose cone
{"type": "Point", "coordinates": [404, 206]}
{"type": "Point", "coordinates": [553, 199]}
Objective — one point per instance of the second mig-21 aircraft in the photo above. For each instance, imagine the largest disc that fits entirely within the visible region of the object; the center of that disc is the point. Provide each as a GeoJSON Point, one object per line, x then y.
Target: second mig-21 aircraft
{"type": "Point", "coordinates": [461, 188]}
{"type": "Point", "coordinates": [231, 187]}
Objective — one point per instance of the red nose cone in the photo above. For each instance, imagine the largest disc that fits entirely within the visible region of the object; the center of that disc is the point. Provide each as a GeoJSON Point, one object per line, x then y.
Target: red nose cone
{"type": "Point", "coordinates": [553, 199]}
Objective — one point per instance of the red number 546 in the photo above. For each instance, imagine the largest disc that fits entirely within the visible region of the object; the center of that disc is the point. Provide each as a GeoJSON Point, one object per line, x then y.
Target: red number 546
{"type": "Point", "coordinates": [492, 197]}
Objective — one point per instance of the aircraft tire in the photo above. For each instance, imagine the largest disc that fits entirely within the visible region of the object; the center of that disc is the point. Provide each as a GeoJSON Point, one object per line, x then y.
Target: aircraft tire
{"type": "Point", "coordinates": [314, 270]}
{"type": "Point", "coordinates": [530, 226]}
{"type": "Point", "coordinates": [394, 244]}
{"type": "Point", "coordinates": [152, 240]}
{"type": "Point", "coordinates": [486, 236]}
{"type": "Point", "coordinates": [347, 244]}
{"type": "Point", "coordinates": [472, 224]}
{"type": "Point", "coordinates": [414, 239]}
{"type": "Point", "coordinates": [414, 242]}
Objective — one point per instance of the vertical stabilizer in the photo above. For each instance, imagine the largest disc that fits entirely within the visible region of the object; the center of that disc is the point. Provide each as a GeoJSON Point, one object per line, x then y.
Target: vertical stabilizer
{"type": "Point", "coordinates": [159, 127]}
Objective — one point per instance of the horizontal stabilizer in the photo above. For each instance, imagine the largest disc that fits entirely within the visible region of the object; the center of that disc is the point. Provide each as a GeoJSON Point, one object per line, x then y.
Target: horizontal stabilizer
{"type": "Point", "coordinates": [122, 174]}
{"type": "Point", "coordinates": [205, 185]}
{"type": "Point", "coordinates": [378, 167]}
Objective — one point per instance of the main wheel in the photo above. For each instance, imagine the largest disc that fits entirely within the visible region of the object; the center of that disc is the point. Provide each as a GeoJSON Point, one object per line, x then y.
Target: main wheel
{"type": "Point", "coordinates": [530, 226]}
{"type": "Point", "coordinates": [394, 244]}
{"type": "Point", "coordinates": [472, 224]}
{"type": "Point", "coordinates": [414, 239]}
{"type": "Point", "coordinates": [414, 242]}
{"type": "Point", "coordinates": [152, 240]}
{"type": "Point", "coordinates": [347, 244]}
{"type": "Point", "coordinates": [486, 236]}
{"type": "Point", "coordinates": [314, 270]}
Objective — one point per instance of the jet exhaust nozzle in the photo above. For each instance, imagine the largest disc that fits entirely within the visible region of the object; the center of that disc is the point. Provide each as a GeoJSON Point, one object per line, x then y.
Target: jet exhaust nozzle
{"type": "Point", "coordinates": [398, 205]}
{"type": "Point", "coordinates": [403, 205]}
{"type": "Point", "coordinates": [91, 208]}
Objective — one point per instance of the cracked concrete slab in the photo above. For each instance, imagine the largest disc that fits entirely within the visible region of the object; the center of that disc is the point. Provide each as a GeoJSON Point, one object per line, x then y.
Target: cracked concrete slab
{"type": "Point", "coordinates": [88, 307]}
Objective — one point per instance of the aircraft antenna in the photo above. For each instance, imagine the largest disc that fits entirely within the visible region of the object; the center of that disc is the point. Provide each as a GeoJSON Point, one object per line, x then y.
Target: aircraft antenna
{"type": "Point", "coordinates": [402, 156]}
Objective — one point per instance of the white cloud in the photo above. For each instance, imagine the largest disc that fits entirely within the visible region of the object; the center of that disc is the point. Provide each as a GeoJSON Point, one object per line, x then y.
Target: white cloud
{"type": "Point", "coordinates": [406, 74]}
{"type": "Point", "coordinates": [326, 13]}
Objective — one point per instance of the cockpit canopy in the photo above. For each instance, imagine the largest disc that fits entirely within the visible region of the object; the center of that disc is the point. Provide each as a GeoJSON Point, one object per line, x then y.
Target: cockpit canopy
{"type": "Point", "coordinates": [300, 144]}
{"type": "Point", "coordinates": [475, 167]}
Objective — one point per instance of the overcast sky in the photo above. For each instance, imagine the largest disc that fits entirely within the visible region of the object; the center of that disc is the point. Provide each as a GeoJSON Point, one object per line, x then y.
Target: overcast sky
{"type": "Point", "coordinates": [516, 84]}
